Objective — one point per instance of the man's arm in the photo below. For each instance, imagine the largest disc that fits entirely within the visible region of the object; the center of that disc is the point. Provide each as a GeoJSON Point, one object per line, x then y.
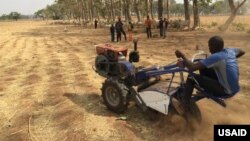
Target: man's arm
{"type": "Point", "coordinates": [240, 53]}
{"type": "Point", "coordinates": [190, 65]}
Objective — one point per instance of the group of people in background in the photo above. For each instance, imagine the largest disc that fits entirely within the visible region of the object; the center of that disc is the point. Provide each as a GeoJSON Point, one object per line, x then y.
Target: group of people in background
{"type": "Point", "coordinates": [163, 25]}
{"type": "Point", "coordinates": [117, 29]}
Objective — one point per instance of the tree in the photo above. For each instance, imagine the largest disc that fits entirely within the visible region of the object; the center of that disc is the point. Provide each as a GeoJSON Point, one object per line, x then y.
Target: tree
{"type": "Point", "coordinates": [160, 8]}
{"type": "Point", "coordinates": [127, 10]}
{"type": "Point", "coordinates": [168, 9]}
{"type": "Point", "coordinates": [40, 14]}
{"type": "Point", "coordinates": [146, 7]}
{"type": "Point", "coordinates": [187, 15]}
{"type": "Point", "coordinates": [151, 8]}
{"type": "Point", "coordinates": [14, 15]}
{"type": "Point", "coordinates": [196, 14]}
{"type": "Point", "coordinates": [136, 8]}
{"type": "Point", "coordinates": [4, 17]}
{"type": "Point", "coordinates": [112, 10]}
{"type": "Point", "coordinates": [234, 9]}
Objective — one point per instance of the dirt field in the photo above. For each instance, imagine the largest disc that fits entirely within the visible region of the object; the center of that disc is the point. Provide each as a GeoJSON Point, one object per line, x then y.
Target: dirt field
{"type": "Point", "coordinates": [49, 91]}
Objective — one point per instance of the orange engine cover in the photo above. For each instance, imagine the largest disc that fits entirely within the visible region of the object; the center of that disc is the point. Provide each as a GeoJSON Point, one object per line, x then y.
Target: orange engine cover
{"type": "Point", "coordinates": [111, 52]}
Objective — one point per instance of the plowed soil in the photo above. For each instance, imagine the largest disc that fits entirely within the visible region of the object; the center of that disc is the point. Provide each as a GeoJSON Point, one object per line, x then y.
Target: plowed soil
{"type": "Point", "coordinates": [49, 91]}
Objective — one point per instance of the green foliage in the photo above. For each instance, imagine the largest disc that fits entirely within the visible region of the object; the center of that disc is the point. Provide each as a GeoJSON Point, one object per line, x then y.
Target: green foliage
{"type": "Point", "coordinates": [239, 26]}
{"type": "Point", "coordinates": [220, 7]}
{"type": "Point", "coordinates": [176, 24]}
{"type": "Point", "coordinates": [4, 17]}
{"type": "Point", "coordinates": [14, 15]}
{"type": "Point", "coordinates": [40, 13]}
{"type": "Point", "coordinates": [11, 16]}
{"type": "Point", "coordinates": [54, 11]}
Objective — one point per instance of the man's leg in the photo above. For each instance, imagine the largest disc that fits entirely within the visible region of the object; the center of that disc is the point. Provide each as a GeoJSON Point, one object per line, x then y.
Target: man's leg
{"type": "Point", "coordinates": [124, 34]}
{"type": "Point", "coordinates": [112, 37]}
{"type": "Point", "coordinates": [189, 87]}
{"type": "Point", "coordinates": [161, 32]}
{"type": "Point", "coordinates": [150, 33]}
{"type": "Point", "coordinates": [147, 30]}
{"type": "Point", "coordinates": [210, 85]}
{"type": "Point", "coordinates": [117, 37]}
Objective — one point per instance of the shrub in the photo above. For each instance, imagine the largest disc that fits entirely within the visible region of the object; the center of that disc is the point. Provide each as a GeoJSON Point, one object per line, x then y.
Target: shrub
{"type": "Point", "coordinates": [176, 24]}
{"type": "Point", "coordinates": [239, 26]}
{"type": "Point", "coordinates": [214, 24]}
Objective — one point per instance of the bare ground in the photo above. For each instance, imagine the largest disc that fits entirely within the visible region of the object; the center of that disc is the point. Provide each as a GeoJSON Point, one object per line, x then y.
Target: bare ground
{"type": "Point", "coordinates": [49, 91]}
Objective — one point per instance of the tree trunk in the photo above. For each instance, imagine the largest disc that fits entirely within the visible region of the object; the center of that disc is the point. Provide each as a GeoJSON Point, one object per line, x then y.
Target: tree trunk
{"type": "Point", "coordinates": [127, 10]}
{"type": "Point", "coordinates": [151, 8]}
{"type": "Point", "coordinates": [112, 10]}
{"type": "Point", "coordinates": [196, 13]}
{"type": "Point", "coordinates": [108, 11]}
{"type": "Point", "coordinates": [187, 15]}
{"type": "Point", "coordinates": [168, 9]}
{"type": "Point", "coordinates": [146, 7]}
{"type": "Point", "coordinates": [86, 10]}
{"type": "Point", "coordinates": [234, 11]}
{"type": "Point", "coordinates": [91, 10]}
{"type": "Point", "coordinates": [160, 8]}
{"type": "Point", "coordinates": [120, 4]}
{"type": "Point", "coordinates": [136, 3]}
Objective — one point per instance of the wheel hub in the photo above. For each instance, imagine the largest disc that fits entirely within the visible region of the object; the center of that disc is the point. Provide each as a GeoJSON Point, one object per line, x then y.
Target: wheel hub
{"type": "Point", "coordinates": [112, 96]}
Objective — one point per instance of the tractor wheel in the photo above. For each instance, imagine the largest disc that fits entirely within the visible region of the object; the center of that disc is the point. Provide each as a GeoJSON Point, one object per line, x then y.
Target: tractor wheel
{"type": "Point", "coordinates": [115, 95]}
{"type": "Point", "coordinates": [193, 111]}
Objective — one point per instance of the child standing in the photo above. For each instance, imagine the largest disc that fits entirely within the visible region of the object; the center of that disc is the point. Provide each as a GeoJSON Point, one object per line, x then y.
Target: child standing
{"type": "Point", "coordinates": [112, 32]}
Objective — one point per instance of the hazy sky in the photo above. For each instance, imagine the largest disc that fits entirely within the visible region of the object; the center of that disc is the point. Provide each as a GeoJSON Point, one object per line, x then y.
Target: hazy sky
{"type": "Point", "coordinates": [27, 6]}
{"type": "Point", "coordinates": [23, 6]}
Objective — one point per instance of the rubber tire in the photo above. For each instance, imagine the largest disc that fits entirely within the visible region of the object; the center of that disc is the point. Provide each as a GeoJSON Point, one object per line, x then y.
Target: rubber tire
{"type": "Point", "coordinates": [193, 113]}
{"type": "Point", "coordinates": [122, 106]}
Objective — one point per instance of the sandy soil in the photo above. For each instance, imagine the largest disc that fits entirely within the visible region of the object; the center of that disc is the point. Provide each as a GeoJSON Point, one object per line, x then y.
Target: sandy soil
{"type": "Point", "coordinates": [49, 91]}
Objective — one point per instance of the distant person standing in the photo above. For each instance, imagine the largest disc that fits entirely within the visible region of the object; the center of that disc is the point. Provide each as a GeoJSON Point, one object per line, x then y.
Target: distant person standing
{"type": "Point", "coordinates": [161, 27]}
{"type": "Point", "coordinates": [119, 29]}
{"type": "Point", "coordinates": [148, 27]}
{"type": "Point", "coordinates": [96, 22]}
{"type": "Point", "coordinates": [165, 27]}
{"type": "Point", "coordinates": [112, 32]}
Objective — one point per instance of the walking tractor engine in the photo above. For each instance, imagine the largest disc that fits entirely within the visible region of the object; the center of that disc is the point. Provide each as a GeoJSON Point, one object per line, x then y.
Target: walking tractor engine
{"type": "Point", "coordinates": [111, 61]}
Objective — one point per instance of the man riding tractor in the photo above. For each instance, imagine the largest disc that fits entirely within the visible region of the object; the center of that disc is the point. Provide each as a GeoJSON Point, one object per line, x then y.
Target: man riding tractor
{"type": "Point", "coordinates": [219, 73]}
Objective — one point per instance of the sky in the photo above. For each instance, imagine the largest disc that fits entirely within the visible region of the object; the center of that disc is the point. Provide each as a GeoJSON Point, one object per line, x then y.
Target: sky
{"type": "Point", "coordinates": [28, 7]}
{"type": "Point", "coordinates": [25, 7]}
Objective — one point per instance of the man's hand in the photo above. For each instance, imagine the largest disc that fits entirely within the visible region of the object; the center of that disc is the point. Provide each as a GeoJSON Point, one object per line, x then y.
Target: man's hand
{"type": "Point", "coordinates": [187, 63]}
{"type": "Point", "coordinates": [179, 54]}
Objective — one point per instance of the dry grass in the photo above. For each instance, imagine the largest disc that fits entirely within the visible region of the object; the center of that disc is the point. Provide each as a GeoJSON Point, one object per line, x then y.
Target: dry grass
{"type": "Point", "coordinates": [49, 90]}
{"type": "Point", "coordinates": [208, 22]}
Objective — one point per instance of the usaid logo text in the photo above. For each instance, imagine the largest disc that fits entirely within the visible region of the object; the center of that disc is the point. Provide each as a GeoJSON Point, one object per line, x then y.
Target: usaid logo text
{"type": "Point", "coordinates": [232, 132]}
{"type": "Point", "coordinates": [224, 132]}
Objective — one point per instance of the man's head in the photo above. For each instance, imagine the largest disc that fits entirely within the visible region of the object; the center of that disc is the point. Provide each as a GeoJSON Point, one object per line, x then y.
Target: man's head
{"type": "Point", "coordinates": [148, 17]}
{"type": "Point", "coordinates": [215, 44]}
